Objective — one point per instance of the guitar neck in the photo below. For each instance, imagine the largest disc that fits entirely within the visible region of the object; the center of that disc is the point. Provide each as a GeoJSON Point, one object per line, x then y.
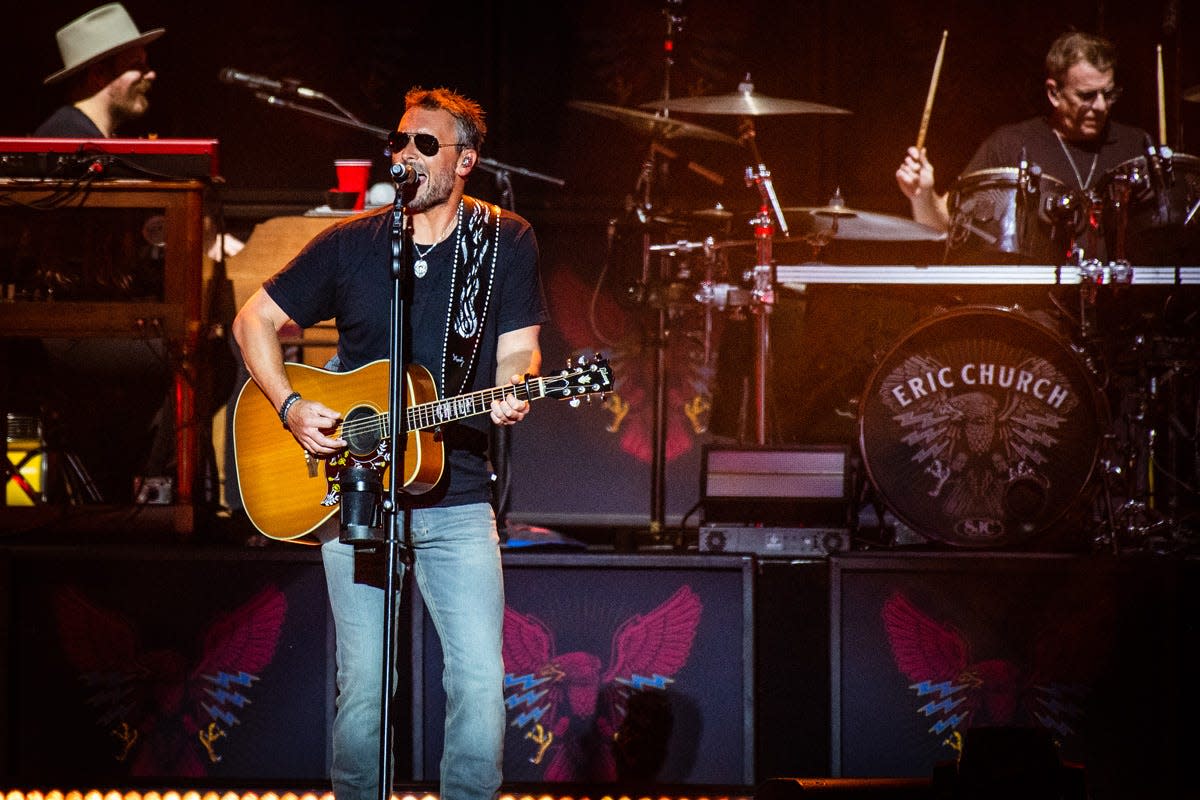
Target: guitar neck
{"type": "Point", "coordinates": [439, 412]}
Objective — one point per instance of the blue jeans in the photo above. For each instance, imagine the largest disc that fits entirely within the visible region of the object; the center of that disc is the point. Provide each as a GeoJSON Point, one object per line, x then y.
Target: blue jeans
{"type": "Point", "coordinates": [457, 569]}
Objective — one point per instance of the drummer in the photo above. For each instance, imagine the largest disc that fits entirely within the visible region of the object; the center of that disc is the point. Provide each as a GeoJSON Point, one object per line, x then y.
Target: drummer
{"type": "Point", "coordinates": [1077, 143]}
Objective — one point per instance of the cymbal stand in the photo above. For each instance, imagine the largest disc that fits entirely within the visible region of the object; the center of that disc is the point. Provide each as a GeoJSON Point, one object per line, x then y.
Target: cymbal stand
{"type": "Point", "coordinates": [763, 275]}
{"type": "Point", "coordinates": [654, 287]}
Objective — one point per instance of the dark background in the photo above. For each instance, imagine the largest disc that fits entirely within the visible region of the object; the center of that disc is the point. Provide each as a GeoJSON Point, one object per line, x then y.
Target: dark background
{"type": "Point", "coordinates": [525, 60]}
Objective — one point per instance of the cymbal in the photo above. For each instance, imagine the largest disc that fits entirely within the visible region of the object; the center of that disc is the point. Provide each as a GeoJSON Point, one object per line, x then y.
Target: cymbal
{"type": "Point", "coordinates": [744, 102]}
{"type": "Point", "coordinates": [657, 126]}
{"type": "Point", "coordinates": [1192, 94]}
{"type": "Point", "coordinates": [866, 226]}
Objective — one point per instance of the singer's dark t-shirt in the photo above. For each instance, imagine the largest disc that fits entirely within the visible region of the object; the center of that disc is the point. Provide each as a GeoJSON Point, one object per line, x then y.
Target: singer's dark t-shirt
{"type": "Point", "coordinates": [344, 274]}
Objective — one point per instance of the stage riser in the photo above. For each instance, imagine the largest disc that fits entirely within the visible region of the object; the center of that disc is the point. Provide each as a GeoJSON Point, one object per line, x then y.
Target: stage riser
{"type": "Point", "coordinates": [782, 655]}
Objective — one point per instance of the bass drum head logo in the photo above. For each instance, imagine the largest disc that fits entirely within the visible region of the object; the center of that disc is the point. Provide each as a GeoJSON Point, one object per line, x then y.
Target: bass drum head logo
{"type": "Point", "coordinates": [980, 428]}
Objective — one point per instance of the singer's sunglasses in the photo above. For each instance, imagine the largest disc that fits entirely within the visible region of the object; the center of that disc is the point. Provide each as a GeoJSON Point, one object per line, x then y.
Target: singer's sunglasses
{"type": "Point", "coordinates": [427, 144]}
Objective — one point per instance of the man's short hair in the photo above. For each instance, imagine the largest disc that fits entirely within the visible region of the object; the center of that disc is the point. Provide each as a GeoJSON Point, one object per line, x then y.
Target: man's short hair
{"type": "Point", "coordinates": [468, 115]}
{"type": "Point", "coordinates": [1074, 47]}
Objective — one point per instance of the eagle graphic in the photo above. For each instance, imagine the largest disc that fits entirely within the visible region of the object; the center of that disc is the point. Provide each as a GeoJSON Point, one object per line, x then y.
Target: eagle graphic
{"type": "Point", "coordinates": [1044, 682]}
{"type": "Point", "coordinates": [983, 452]}
{"type": "Point", "coordinates": [570, 705]}
{"type": "Point", "coordinates": [631, 406]}
{"type": "Point", "coordinates": [165, 713]}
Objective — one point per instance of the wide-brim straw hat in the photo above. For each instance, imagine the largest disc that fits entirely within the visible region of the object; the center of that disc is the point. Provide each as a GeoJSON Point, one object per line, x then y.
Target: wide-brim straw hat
{"type": "Point", "coordinates": [100, 33]}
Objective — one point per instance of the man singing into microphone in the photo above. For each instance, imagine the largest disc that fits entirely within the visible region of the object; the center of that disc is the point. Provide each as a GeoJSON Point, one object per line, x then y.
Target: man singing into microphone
{"type": "Point", "coordinates": [476, 312]}
{"type": "Point", "coordinates": [105, 73]}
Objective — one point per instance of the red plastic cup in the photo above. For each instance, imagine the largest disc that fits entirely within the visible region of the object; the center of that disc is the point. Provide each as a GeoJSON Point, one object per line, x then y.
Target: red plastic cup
{"type": "Point", "coordinates": [352, 176]}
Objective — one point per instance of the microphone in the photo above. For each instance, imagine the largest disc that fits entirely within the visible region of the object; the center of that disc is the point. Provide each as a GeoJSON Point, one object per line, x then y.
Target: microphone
{"type": "Point", "coordinates": [403, 174]}
{"type": "Point", "coordinates": [286, 86]}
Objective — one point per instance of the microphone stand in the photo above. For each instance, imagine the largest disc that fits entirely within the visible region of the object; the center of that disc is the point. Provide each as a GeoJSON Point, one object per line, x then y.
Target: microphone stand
{"type": "Point", "coordinates": [497, 168]}
{"type": "Point", "coordinates": [393, 509]}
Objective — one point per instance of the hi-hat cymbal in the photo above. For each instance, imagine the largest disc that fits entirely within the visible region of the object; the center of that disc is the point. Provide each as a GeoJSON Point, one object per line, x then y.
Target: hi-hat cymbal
{"type": "Point", "coordinates": [866, 226]}
{"type": "Point", "coordinates": [1192, 95]}
{"type": "Point", "coordinates": [652, 124]}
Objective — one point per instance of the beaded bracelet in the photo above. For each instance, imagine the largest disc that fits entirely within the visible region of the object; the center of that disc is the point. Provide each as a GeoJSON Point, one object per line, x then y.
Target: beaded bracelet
{"type": "Point", "coordinates": [286, 407]}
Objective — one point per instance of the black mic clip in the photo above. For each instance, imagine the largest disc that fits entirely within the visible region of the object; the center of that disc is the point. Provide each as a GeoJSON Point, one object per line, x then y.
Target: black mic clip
{"type": "Point", "coordinates": [361, 511]}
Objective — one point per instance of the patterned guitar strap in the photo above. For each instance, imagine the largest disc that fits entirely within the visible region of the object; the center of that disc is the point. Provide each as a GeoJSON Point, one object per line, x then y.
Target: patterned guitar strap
{"type": "Point", "coordinates": [470, 291]}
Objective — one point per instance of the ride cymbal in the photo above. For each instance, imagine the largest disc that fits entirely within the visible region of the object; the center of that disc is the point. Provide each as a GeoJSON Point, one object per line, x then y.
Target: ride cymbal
{"type": "Point", "coordinates": [656, 126]}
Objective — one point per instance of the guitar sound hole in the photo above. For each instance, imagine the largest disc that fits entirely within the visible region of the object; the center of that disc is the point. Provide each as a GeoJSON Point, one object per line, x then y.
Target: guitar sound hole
{"type": "Point", "coordinates": [362, 430]}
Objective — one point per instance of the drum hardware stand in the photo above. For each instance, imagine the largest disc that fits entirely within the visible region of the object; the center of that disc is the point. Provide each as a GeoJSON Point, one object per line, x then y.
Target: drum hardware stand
{"type": "Point", "coordinates": [762, 277]}
{"type": "Point", "coordinates": [762, 292]}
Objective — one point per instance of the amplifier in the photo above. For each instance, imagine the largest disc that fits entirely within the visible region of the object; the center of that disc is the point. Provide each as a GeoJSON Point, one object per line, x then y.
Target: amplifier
{"type": "Point", "coordinates": [797, 486]}
{"type": "Point", "coordinates": [773, 541]}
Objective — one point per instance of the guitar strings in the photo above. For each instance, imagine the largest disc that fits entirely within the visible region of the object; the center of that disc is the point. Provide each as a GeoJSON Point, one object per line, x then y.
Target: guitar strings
{"type": "Point", "coordinates": [415, 413]}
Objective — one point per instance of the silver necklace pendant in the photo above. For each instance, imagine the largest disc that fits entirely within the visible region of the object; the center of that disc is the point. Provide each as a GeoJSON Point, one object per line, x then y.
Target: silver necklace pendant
{"type": "Point", "coordinates": [420, 268]}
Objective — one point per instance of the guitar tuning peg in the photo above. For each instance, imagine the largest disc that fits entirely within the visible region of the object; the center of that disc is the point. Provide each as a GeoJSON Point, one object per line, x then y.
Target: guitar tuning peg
{"type": "Point", "coordinates": [573, 402]}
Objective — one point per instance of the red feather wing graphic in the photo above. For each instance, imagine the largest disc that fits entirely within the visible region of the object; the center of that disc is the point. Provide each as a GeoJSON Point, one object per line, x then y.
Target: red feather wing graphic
{"type": "Point", "coordinates": [237, 647]}
{"type": "Point", "coordinates": [924, 649]}
{"type": "Point", "coordinates": [159, 710]}
{"type": "Point", "coordinates": [632, 361]}
{"type": "Point", "coordinates": [245, 639]}
{"type": "Point", "coordinates": [650, 647]}
{"type": "Point", "coordinates": [531, 688]}
{"type": "Point", "coordinates": [95, 640]}
{"type": "Point", "coordinates": [103, 646]}
{"type": "Point", "coordinates": [935, 658]}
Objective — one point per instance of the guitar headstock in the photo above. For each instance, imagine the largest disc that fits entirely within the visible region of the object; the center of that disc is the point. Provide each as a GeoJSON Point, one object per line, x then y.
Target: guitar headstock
{"type": "Point", "coordinates": [581, 379]}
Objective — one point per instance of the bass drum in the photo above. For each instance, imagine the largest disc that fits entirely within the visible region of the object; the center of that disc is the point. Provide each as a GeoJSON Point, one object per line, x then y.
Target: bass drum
{"type": "Point", "coordinates": [1148, 228]}
{"type": "Point", "coordinates": [980, 428]}
{"type": "Point", "coordinates": [991, 222]}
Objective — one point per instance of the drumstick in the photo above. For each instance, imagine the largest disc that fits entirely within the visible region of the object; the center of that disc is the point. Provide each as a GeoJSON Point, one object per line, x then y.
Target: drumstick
{"type": "Point", "coordinates": [937, 68]}
{"type": "Point", "coordinates": [1162, 102]}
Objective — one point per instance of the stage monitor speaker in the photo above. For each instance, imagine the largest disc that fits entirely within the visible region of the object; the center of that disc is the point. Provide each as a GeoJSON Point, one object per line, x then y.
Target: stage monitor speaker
{"type": "Point", "coordinates": [131, 664]}
{"type": "Point", "coordinates": [927, 648]}
{"type": "Point", "coordinates": [796, 486]}
{"type": "Point", "coordinates": [654, 650]}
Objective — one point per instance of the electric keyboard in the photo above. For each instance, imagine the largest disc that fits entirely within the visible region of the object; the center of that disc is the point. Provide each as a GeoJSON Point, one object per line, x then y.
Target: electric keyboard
{"type": "Point", "coordinates": [143, 159]}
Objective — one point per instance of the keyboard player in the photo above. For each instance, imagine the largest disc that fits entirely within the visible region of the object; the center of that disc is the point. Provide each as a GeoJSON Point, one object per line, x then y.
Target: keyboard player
{"type": "Point", "coordinates": [105, 74]}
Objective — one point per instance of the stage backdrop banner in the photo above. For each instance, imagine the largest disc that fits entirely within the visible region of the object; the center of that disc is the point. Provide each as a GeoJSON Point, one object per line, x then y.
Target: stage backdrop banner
{"type": "Point", "coordinates": [130, 664]}
{"type": "Point", "coordinates": [927, 646]}
{"type": "Point", "coordinates": [632, 668]}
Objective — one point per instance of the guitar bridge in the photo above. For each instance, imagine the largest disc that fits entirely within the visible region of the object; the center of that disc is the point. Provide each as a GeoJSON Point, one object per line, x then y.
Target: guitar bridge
{"type": "Point", "coordinates": [311, 463]}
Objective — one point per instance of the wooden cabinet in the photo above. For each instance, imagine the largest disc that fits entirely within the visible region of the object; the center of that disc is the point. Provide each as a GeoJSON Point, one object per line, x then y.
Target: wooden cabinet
{"type": "Point", "coordinates": [160, 220]}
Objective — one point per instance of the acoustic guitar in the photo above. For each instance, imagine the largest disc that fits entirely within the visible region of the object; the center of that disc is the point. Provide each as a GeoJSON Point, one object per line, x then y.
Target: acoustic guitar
{"type": "Point", "coordinates": [288, 493]}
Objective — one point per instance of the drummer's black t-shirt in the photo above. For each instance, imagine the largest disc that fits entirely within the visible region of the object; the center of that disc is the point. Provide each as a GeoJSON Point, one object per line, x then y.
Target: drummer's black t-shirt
{"type": "Point", "coordinates": [1119, 143]}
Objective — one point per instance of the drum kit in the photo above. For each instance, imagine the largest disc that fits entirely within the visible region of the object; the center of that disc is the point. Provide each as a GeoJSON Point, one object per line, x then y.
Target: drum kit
{"type": "Point", "coordinates": [983, 426]}
{"type": "Point", "coordinates": [1142, 211]}
{"type": "Point", "coordinates": [699, 249]}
